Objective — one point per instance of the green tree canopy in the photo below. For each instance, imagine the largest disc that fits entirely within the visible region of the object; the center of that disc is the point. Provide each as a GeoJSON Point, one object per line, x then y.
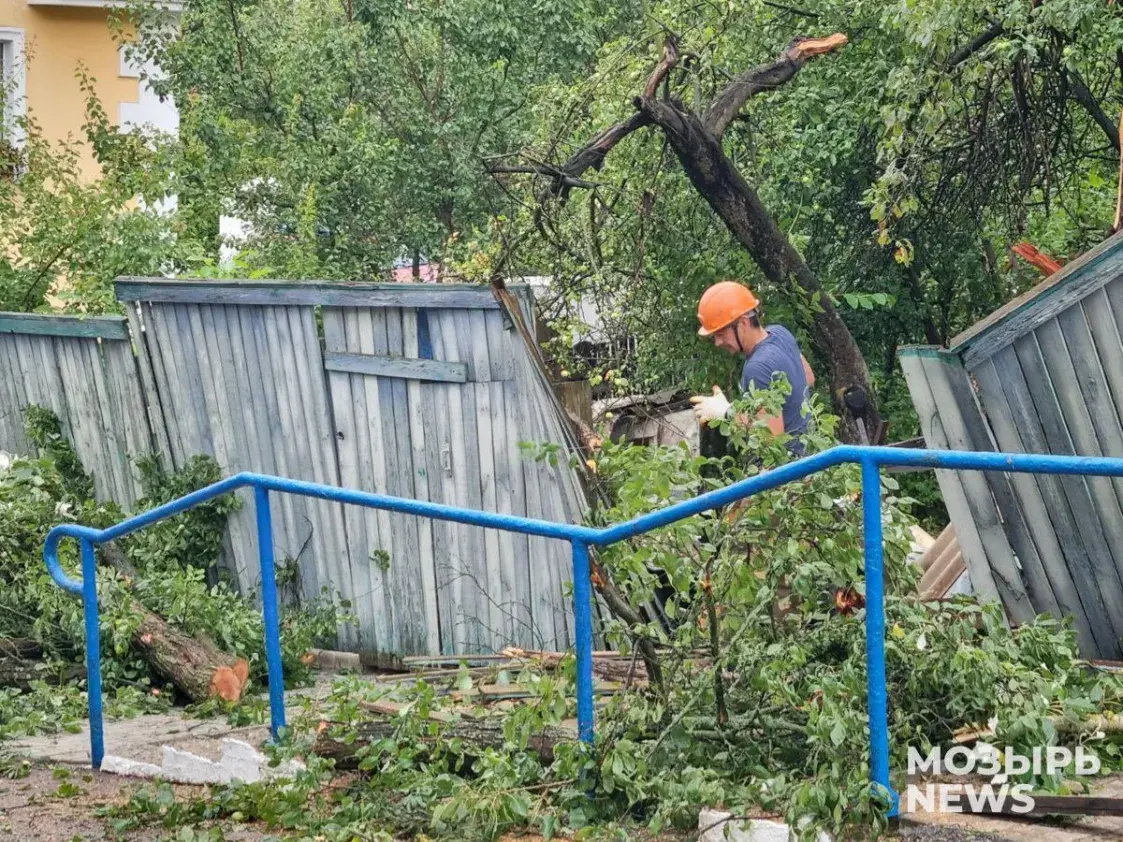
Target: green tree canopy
{"type": "Point", "coordinates": [351, 133]}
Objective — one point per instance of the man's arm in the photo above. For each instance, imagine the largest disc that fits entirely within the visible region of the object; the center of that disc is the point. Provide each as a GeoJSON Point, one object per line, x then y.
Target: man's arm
{"type": "Point", "coordinates": [708, 407]}
{"type": "Point", "coordinates": [775, 422]}
{"type": "Point", "coordinates": [807, 372]}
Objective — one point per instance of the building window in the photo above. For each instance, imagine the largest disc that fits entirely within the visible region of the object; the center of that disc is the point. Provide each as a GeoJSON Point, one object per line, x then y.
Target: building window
{"type": "Point", "coordinates": [14, 93]}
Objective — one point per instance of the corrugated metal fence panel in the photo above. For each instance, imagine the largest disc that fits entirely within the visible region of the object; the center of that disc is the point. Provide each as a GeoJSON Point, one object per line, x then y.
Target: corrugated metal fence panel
{"type": "Point", "coordinates": [245, 385]}
{"type": "Point", "coordinates": [91, 383]}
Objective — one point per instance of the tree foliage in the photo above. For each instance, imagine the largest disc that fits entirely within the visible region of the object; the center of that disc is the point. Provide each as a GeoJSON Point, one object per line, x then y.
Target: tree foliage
{"type": "Point", "coordinates": [348, 134]}
{"type": "Point", "coordinates": [171, 559]}
{"type": "Point", "coordinates": [762, 705]}
{"type": "Point", "coordinates": [67, 235]}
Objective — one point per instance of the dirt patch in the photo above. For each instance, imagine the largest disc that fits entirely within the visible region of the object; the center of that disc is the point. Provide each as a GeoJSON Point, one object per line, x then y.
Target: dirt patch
{"type": "Point", "coordinates": [60, 804]}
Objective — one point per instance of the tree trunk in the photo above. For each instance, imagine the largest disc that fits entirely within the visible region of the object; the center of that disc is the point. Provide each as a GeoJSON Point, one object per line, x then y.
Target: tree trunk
{"type": "Point", "coordinates": [716, 178]}
{"type": "Point", "coordinates": [195, 665]}
{"type": "Point", "coordinates": [697, 143]}
{"type": "Point", "coordinates": [18, 673]}
{"type": "Point", "coordinates": [479, 733]}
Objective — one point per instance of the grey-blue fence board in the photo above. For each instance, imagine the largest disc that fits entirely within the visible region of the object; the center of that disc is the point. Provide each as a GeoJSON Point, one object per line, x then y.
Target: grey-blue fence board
{"type": "Point", "coordinates": [469, 569]}
{"type": "Point", "coordinates": [306, 293]}
{"type": "Point", "coordinates": [418, 441]}
{"type": "Point", "coordinates": [1030, 501]}
{"type": "Point", "coordinates": [36, 324]}
{"type": "Point", "coordinates": [1109, 350]}
{"type": "Point", "coordinates": [391, 366]}
{"type": "Point", "coordinates": [1015, 387]}
{"type": "Point", "coordinates": [524, 618]}
{"type": "Point", "coordinates": [395, 416]}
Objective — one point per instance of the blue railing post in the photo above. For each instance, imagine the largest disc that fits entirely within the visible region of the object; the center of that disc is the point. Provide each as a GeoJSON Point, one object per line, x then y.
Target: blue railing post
{"type": "Point", "coordinates": [877, 697]}
{"type": "Point", "coordinates": [270, 610]}
{"type": "Point", "coordinates": [93, 650]}
{"type": "Point", "coordinates": [583, 618]}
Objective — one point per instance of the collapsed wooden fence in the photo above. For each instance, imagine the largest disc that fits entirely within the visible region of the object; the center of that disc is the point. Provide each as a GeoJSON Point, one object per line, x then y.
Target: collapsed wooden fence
{"type": "Point", "coordinates": [1044, 374]}
{"type": "Point", "coordinates": [415, 390]}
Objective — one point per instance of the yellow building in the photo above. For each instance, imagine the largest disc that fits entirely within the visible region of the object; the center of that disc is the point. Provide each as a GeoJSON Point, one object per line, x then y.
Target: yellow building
{"type": "Point", "coordinates": [42, 45]}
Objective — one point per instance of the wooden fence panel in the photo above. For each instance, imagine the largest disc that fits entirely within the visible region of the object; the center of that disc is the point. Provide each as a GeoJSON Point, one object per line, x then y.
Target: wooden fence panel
{"type": "Point", "coordinates": [245, 385]}
{"type": "Point", "coordinates": [424, 393]}
{"type": "Point", "coordinates": [1041, 503]}
{"type": "Point", "coordinates": [977, 525]}
{"type": "Point", "coordinates": [461, 588]}
{"type": "Point", "coordinates": [85, 372]}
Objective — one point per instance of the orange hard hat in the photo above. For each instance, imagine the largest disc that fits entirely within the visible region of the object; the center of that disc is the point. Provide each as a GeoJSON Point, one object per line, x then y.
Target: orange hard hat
{"type": "Point", "coordinates": [723, 304]}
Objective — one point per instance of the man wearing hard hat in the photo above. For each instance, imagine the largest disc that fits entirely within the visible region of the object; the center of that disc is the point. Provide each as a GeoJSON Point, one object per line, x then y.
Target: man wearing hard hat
{"type": "Point", "coordinates": [728, 314]}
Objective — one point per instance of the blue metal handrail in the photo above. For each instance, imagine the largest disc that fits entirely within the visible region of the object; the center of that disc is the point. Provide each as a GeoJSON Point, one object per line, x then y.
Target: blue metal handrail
{"type": "Point", "coordinates": [871, 459]}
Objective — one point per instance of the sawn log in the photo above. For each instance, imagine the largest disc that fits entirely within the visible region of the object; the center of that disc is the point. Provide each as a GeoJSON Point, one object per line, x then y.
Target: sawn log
{"type": "Point", "coordinates": [481, 733]}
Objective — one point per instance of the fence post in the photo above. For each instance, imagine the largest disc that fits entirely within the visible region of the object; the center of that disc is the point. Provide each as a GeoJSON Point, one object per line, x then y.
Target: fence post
{"type": "Point", "coordinates": [583, 618]}
{"type": "Point", "coordinates": [876, 698]}
{"type": "Point", "coordinates": [270, 610]}
{"type": "Point", "coordinates": [93, 650]}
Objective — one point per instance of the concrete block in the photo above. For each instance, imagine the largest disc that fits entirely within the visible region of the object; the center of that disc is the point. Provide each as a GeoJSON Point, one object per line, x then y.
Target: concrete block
{"type": "Point", "coordinates": [242, 761]}
{"type": "Point", "coordinates": [186, 768]}
{"type": "Point", "coordinates": [115, 765]}
{"type": "Point", "coordinates": [238, 760]}
{"type": "Point", "coordinates": [744, 830]}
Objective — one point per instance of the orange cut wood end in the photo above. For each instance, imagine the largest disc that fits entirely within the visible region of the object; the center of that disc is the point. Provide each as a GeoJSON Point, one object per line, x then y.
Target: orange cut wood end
{"type": "Point", "coordinates": [817, 46]}
{"type": "Point", "coordinates": [242, 670]}
{"type": "Point", "coordinates": [226, 685]}
{"type": "Point", "coordinates": [1032, 255]}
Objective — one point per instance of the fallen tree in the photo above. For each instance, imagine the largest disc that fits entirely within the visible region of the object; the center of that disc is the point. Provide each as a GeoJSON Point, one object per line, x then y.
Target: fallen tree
{"type": "Point", "coordinates": [193, 663]}
{"type": "Point", "coordinates": [172, 628]}
{"type": "Point", "coordinates": [352, 739]}
{"type": "Point", "coordinates": [696, 139]}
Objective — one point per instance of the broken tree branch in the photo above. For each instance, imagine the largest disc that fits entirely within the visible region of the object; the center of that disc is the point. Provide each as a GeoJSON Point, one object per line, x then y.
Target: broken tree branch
{"type": "Point", "coordinates": [1090, 104]}
{"type": "Point", "coordinates": [590, 156]}
{"type": "Point", "coordinates": [718, 180]}
{"type": "Point", "coordinates": [670, 59]}
{"type": "Point", "coordinates": [765, 78]}
{"type": "Point", "coordinates": [480, 733]}
{"type": "Point", "coordinates": [794, 10]}
{"type": "Point", "coordinates": [559, 175]}
{"type": "Point", "coordinates": [974, 45]}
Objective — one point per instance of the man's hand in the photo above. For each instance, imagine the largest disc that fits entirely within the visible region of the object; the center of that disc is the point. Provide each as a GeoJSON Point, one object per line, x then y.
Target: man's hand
{"type": "Point", "coordinates": [709, 407]}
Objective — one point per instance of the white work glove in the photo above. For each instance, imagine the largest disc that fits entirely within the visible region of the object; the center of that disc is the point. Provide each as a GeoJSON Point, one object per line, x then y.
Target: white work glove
{"type": "Point", "coordinates": [709, 407]}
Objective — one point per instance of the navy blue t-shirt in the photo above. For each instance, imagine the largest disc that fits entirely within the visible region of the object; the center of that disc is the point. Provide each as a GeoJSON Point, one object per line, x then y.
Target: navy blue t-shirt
{"type": "Point", "coordinates": [779, 352]}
